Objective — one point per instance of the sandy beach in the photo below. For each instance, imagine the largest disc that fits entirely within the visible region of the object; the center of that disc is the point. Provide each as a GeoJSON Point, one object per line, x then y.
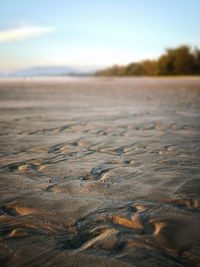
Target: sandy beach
{"type": "Point", "coordinates": [100, 172]}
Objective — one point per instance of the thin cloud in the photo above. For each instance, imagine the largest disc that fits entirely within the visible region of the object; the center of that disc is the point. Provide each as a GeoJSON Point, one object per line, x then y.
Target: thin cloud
{"type": "Point", "coordinates": [23, 33]}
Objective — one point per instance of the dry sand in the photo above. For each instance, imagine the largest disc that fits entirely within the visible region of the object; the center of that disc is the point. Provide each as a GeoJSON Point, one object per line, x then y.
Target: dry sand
{"type": "Point", "coordinates": [100, 172]}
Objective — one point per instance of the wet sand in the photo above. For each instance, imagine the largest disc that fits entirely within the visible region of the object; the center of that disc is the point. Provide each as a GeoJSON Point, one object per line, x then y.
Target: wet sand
{"type": "Point", "coordinates": [100, 172]}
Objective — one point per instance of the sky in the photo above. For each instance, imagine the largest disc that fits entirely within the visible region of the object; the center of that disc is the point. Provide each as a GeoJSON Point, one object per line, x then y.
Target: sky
{"type": "Point", "coordinates": [93, 33]}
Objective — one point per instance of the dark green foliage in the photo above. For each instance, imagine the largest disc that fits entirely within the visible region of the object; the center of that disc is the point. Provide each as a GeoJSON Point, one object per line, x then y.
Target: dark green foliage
{"type": "Point", "coordinates": [177, 61]}
{"type": "Point", "coordinates": [197, 61]}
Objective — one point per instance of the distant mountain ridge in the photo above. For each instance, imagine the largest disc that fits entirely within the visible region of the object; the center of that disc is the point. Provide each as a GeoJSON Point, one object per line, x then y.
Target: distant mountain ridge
{"type": "Point", "coordinates": [46, 71]}
{"type": "Point", "coordinates": [49, 71]}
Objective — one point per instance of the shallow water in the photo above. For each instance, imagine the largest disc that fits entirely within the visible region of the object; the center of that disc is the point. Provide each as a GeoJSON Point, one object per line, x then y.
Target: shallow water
{"type": "Point", "coordinates": [100, 172]}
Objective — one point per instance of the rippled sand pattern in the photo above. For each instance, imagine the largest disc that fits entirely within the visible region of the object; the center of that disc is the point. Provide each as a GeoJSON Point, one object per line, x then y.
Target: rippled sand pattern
{"type": "Point", "coordinates": [100, 172]}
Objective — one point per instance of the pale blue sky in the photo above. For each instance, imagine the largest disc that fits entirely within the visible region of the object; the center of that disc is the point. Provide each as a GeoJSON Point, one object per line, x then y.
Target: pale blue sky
{"type": "Point", "coordinates": [93, 32]}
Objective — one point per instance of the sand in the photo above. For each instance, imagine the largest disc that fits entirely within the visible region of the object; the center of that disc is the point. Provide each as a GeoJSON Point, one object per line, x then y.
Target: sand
{"type": "Point", "coordinates": [100, 172]}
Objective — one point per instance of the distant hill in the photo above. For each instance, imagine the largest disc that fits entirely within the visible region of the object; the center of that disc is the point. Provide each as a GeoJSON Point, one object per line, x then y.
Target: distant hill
{"type": "Point", "coordinates": [46, 71]}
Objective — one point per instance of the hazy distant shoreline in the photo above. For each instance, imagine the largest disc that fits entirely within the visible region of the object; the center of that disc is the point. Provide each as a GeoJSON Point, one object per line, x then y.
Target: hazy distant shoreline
{"type": "Point", "coordinates": [92, 78]}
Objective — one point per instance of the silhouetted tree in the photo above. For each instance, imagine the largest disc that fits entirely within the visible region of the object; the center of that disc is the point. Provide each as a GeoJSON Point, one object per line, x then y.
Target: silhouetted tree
{"type": "Point", "coordinates": [197, 61]}
{"type": "Point", "coordinates": [176, 61]}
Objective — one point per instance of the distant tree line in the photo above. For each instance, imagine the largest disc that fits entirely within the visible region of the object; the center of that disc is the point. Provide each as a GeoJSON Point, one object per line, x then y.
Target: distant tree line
{"type": "Point", "coordinates": [175, 61]}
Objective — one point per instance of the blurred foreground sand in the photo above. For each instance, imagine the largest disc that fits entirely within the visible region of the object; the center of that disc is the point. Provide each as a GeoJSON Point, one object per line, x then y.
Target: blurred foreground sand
{"type": "Point", "coordinates": [100, 172]}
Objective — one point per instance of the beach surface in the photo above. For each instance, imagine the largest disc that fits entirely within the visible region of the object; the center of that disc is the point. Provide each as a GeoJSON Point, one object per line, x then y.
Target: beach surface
{"type": "Point", "coordinates": [100, 172]}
